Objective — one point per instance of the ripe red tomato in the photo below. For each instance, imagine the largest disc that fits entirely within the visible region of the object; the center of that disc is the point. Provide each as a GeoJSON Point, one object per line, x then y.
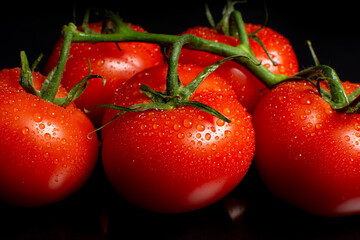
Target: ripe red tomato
{"type": "Point", "coordinates": [245, 85]}
{"type": "Point", "coordinates": [181, 159]}
{"type": "Point", "coordinates": [307, 153]}
{"type": "Point", "coordinates": [115, 63]}
{"type": "Point", "coordinates": [44, 152]}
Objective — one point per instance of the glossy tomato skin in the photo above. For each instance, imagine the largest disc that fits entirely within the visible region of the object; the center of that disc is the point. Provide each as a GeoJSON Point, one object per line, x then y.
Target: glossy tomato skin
{"type": "Point", "coordinates": [107, 60]}
{"type": "Point", "coordinates": [246, 86]}
{"type": "Point", "coordinates": [182, 159]}
{"type": "Point", "coordinates": [45, 155]}
{"type": "Point", "coordinates": [307, 153]}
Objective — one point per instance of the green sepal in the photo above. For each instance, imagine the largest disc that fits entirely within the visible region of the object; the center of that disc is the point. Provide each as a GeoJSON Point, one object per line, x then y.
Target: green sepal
{"type": "Point", "coordinates": [209, 16]}
{"type": "Point", "coordinates": [76, 91]}
{"type": "Point", "coordinates": [26, 78]}
{"type": "Point", "coordinates": [205, 108]}
{"type": "Point", "coordinates": [260, 42]}
{"type": "Point", "coordinates": [189, 89]}
{"type": "Point", "coordinates": [156, 96]}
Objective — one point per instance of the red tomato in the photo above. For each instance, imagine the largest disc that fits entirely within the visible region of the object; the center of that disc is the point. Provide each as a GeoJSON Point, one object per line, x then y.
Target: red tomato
{"type": "Point", "coordinates": [45, 155]}
{"type": "Point", "coordinates": [181, 159]}
{"type": "Point", "coordinates": [106, 60]}
{"type": "Point", "coordinates": [245, 85]}
{"type": "Point", "coordinates": [307, 153]}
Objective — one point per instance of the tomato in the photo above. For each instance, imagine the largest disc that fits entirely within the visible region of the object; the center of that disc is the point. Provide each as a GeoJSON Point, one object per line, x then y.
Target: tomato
{"type": "Point", "coordinates": [181, 159]}
{"type": "Point", "coordinates": [246, 86]}
{"type": "Point", "coordinates": [45, 155]}
{"type": "Point", "coordinates": [307, 153]}
{"type": "Point", "coordinates": [116, 62]}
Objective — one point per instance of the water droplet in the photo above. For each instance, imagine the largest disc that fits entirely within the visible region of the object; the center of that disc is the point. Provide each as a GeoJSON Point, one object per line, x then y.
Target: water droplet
{"type": "Point", "coordinates": [25, 130]}
{"type": "Point", "coordinates": [200, 127]}
{"type": "Point", "coordinates": [42, 126]}
{"type": "Point", "coordinates": [227, 133]}
{"type": "Point", "coordinates": [187, 123]}
{"type": "Point", "coordinates": [100, 62]}
{"type": "Point", "coordinates": [180, 135]}
{"type": "Point", "coordinates": [208, 136]}
{"type": "Point", "coordinates": [302, 117]}
{"type": "Point", "coordinates": [220, 122]}
{"type": "Point", "coordinates": [176, 126]}
{"type": "Point", "coordinates": [347, 138]}
{"type": "Point", "coordinates": [213, 146]}
{"type": "Point", "coordinates": [47, 136]}
{"type": "Point", "coordinates": [37, 117]}
{"type": "Point", "coordinates": [281, 68]}
{"type": "Point", "coordinates": [226, 111]}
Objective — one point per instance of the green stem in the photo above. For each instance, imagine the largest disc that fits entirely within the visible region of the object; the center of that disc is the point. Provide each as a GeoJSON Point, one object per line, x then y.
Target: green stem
{"type": "Point", "coordinates": [172, 82]}
{"type": "Point", "coordinates": [261, 72]}
{"type": "Point", "coordinates": [243, 36]}
{"type": "Point", "coordinates": [51, 86]}
{"type": "Point", "coordinates": [339, 98]}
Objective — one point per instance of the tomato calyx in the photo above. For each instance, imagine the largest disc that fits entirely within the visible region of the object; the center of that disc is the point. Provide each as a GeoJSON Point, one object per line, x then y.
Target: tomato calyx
{"type": "Point", "coordinates": [51, 84]}
{"type": "Point", "coordinates": [176, 94]}
{"type": "Point", "coordinates": [337, 97]}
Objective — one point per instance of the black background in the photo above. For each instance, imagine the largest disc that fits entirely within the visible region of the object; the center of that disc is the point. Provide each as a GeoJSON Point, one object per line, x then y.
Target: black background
{"type": "Point", "coordinates": [332, 26]}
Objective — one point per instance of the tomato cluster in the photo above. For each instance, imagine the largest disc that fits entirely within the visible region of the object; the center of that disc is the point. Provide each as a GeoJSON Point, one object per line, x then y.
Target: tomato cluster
{"type": "Point", "coordinates": [177, 155]}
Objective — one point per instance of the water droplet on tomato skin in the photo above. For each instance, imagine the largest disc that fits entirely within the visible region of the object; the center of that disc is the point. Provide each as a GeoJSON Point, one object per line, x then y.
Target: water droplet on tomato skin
{"type": "Point", "coordinates": [37, 117]}
{"type": "Point", "coordinates": [357, 126]}
{"type": "Point", "coordinates": [220, 122]}
{"type": "Point", "coordinates": [177, 127]}
{"type": "Point", "coordinates": [200, 127]}
{"type": "Point", "coordinates": [227, 133]}
{"type": "Point", "coordinates": [25, 131]}
{"type": "Point", "coordinates": [208, 136]}
{"type": "Point", "coordinates": [180, 135]}
{"type": "Point", "coordinates": [187, 123]}
{"type": "Point", "coordinates": [47, 136]}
